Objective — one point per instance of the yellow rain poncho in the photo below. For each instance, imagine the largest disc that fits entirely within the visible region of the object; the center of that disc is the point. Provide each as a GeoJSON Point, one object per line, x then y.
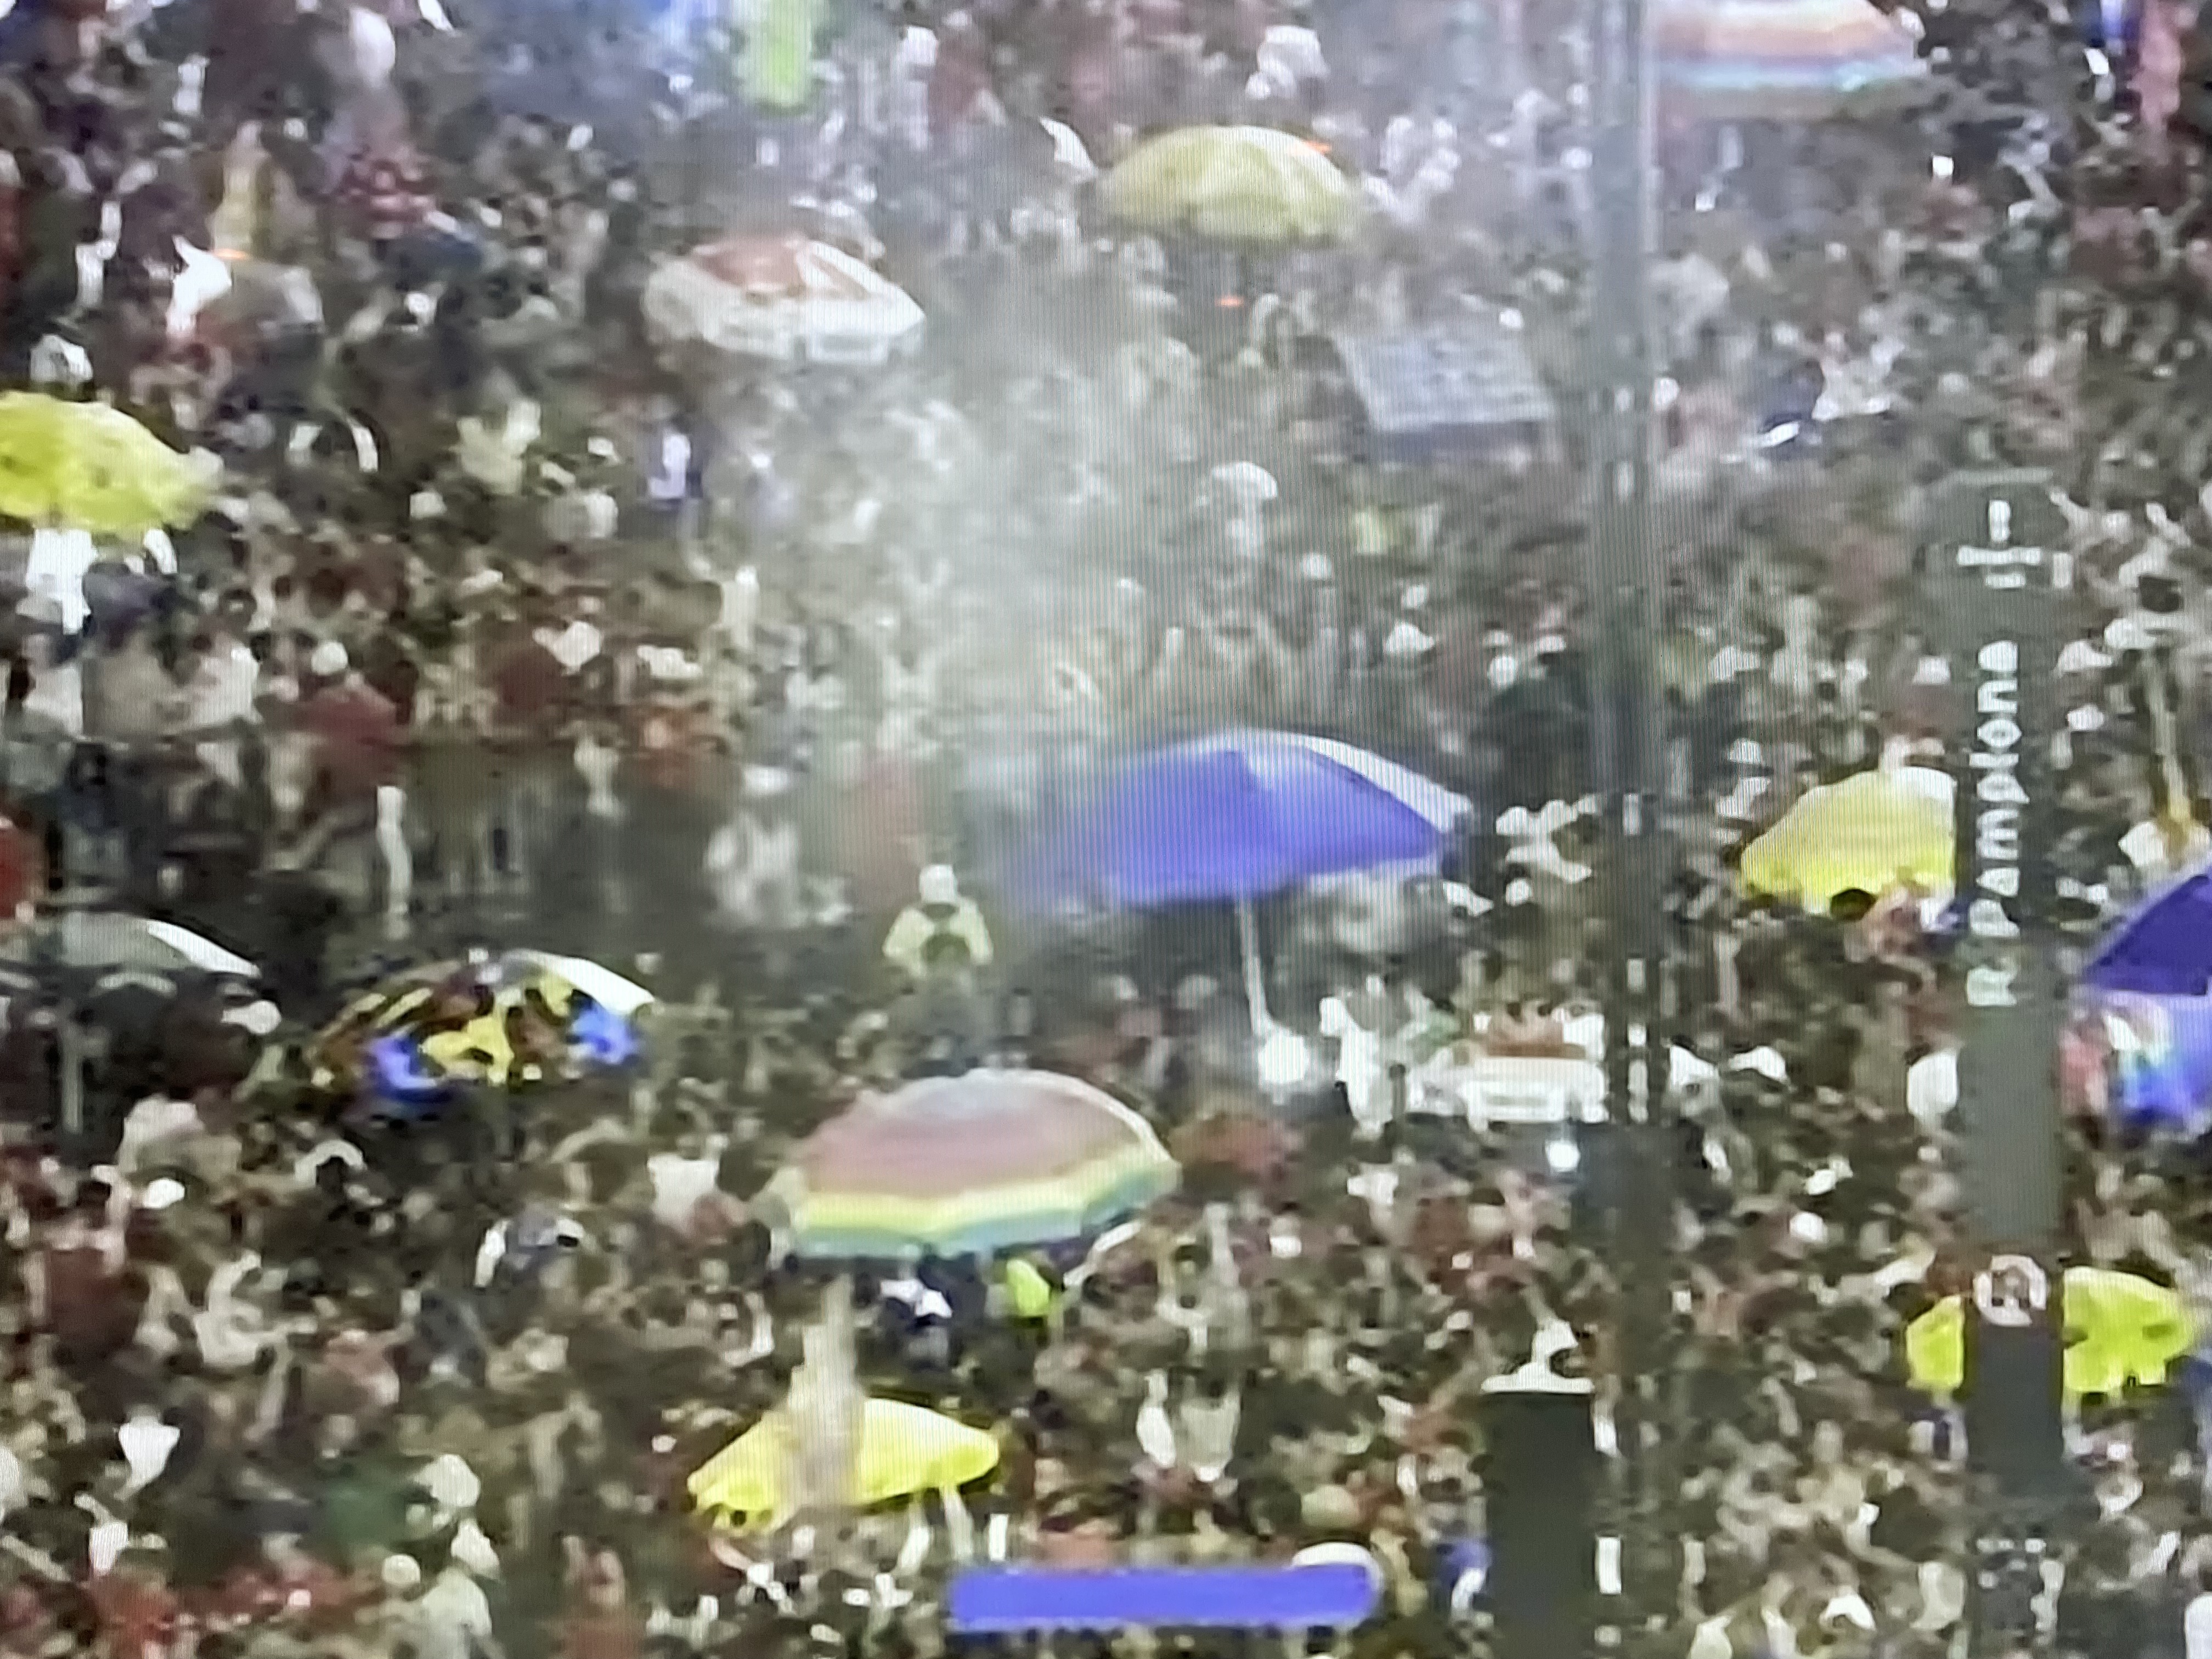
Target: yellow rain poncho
{"type": "Point", "coordinates": [1876, 832]}
{"type": "Point", "coordinates": [2120, 1329]}
{"type": "Point", "coordinates": [1028, 1291]}
{"type": "Point", "coordinates": [1232, 185]}
{"type": "Point", "coordinates": [85, 466]}
{"type": "Point", "coordinates": [776, 66]}
{"type": "Point", "coordinates": [903, 1449]}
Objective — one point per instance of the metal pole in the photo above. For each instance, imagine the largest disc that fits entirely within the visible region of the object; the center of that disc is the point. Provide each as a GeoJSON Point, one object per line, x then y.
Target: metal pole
{"type": "Point", "coordinates": [2008, 584]}
{"type": "Point", "coordinates": [1630, 729]}
{"type": "Point", "coordinates": [1539, 1488]}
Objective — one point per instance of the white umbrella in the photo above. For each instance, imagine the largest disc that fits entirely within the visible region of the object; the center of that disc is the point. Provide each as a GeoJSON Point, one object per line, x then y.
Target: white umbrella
{"type": "Point", "coordinates": [603, 986]}
{"type": "Point", "coordinates": [122, 950]}
{"type": "Point", "coordinates": [202, 953]}
{"type": "Point", "coordinates": [105, 942]}
{"type": "Point", "coordinates": [781, 297]}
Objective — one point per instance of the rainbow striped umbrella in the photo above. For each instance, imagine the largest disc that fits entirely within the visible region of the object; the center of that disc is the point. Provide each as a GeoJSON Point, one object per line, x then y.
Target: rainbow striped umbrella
{"type": "Point", "coordinates": [994, 1160]}
{"type": "Point", "coordinates": [1741, 60]}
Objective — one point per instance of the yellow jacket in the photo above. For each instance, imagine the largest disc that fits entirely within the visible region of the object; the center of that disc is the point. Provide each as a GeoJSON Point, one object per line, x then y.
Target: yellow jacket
{"type": "Point", "coordinates": [922, 932]}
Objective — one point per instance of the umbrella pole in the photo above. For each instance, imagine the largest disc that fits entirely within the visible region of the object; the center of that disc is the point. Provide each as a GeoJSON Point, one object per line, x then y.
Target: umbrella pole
{"type": "Point", "coordinates": [69, 1060]}
{"type": "Point", "coordinates": [1248, 951]}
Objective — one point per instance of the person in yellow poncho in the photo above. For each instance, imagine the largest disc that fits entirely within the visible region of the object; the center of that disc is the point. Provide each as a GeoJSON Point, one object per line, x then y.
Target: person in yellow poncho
{"type": "Point", "coordinates": [1029, 1292]}
{"type": "Point", "coordinates": [941, 945]}
{"type": "Point", "coordinates": [2121, 1330]}
{"type": "Point", "coordinates": [903, 1449]}
{"type": "Point", "coordinates": [777, 65]}
{"type": "Point", "coordinates": [1855, 840]}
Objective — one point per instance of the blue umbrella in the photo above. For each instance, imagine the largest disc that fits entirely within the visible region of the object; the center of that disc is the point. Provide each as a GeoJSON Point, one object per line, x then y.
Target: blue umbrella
{"type": "Point", "coordinates": [2165, 948]}
{"type": "Point", "coordinates": [1240, 815]}
{"type": "Point", "coordinates": [1243, 814]}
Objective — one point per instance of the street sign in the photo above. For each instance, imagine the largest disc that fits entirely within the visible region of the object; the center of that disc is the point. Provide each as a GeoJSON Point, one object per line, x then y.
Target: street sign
{"type": "Point", "coordinates": [1437, 393]}
{"type": "Point", "coordinates": [2004, 580]}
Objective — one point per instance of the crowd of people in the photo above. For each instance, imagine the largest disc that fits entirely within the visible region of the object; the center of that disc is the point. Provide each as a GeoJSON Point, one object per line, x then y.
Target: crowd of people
{"type": "Point", "coordinates": [508, 625]}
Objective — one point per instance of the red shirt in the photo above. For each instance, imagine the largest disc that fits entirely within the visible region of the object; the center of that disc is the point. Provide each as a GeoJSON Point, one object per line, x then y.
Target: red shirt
{"type": "Point", "coordinates": [357, 738]}
{"type": "Point", "coordinates": [531, 687]}
{"type": "Point", "coordinates": [960, 78]}
{"type": "Point", "coordinates": [22, 870]}
{"type": "Point", "coordinates": [672, 741]}
{"type": "Point", "coordinates": [86, 1307]}
{"type": "Point", "coordinates": [602, 1633]}
{"type": "Point", "coordinates": [138, 1619]}
{"type": "Point", "coordinates": [26, 1622]}
{"type": "Point", "coordinates": [311, 1593]}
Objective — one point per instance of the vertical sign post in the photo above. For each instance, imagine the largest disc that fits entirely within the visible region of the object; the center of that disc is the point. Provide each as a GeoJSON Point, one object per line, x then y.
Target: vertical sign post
{"type": "Point", "coordinates": [2006, 583]}
{"type": "Point", "coordinates": [1629, 718]}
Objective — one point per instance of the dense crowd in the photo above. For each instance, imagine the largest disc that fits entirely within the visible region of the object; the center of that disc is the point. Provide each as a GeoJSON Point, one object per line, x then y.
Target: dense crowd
{"type": "Point", "coordinates": [509, 626]}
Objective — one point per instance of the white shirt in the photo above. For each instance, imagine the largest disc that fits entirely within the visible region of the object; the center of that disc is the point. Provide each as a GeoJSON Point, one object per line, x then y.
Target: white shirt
{"type": "Point", "coordinates": [2197, 1628]}
{"type": "Point", "coordinates": [154, 1120]}
{"type": "Point", "coordinates": [222, 687]}
{"type": "Point", "coordinates": [450, 1483]}
{"type": "Point", "coordinates": [1289, 55]}
{"type": "Point", "coordinates": [671, 480]}
{"type": "Point", "coordinates": [1205, 1434]}
{"type": "Point", "coordinates": [147, 1442]}
{"type": "Point", "coordinates": [679, 1186]}
{"type": "Point", "coordinates": [57, 694]}
{"type": "Point", "coordinates": [231, 1333]}
{"type": "Point", "coordinates": [1931, 1087]}
{"type": "Point", "coordinates": [451, 1619]}
{"type": "Point", "coordinates": [13, 1490]}
{"type": "Point", "coordinates": [56, 572]}
{"type": "Point", "coordinates": [1359, 1051]}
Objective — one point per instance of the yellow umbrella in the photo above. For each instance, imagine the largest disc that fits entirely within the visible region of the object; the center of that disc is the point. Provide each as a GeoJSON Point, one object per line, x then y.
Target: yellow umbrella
{"type": "Point", "coordinates": [903, 1449]}
{"type": "Point", "coordinates": [1232, 185]}
{"type": "Point", "coordinates": [2120, 1328]}
{"type": "Point", "coordinates": [85, 466]}
{"type": "Point", "coordinates": [1874, 832]}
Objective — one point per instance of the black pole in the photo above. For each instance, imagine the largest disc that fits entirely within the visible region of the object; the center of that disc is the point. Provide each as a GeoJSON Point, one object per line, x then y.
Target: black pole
{"type": "Point", "coordinates": [1630, 733]}
{"type": "Point", "coordinates": [2006, 583]}
{"type": "Point", "coordinates": [1539, 1491]}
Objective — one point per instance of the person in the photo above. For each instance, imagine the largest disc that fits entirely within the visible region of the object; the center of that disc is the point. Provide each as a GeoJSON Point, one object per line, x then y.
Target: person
{"type": "Point", "coordinates": [451, 1620]}
{"type": "Point", "coordinates": [357, 731]}
{"type": "Point", "coordinates": [2196, 1623]}
{"type": "Point", "coordinates": [1355, 1021]}
{"type": "Point", "coordinates": [940, 944]}
{"type": "Point", "coordinates": [22, 871]}
{"type": "Point", "coordinates": [300, 916]}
